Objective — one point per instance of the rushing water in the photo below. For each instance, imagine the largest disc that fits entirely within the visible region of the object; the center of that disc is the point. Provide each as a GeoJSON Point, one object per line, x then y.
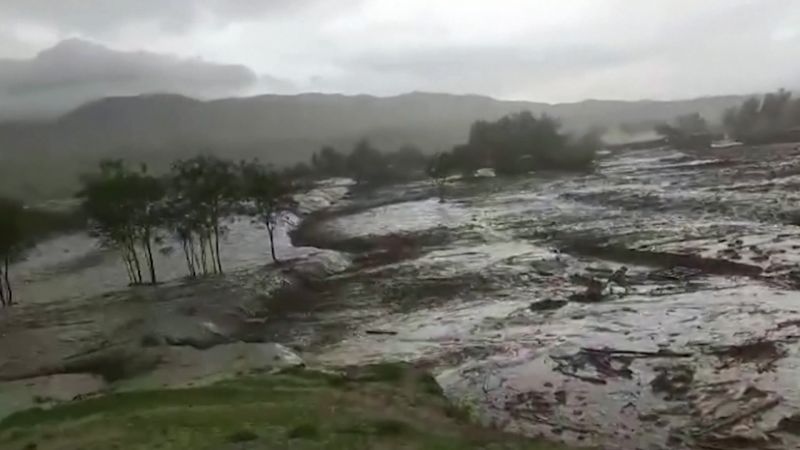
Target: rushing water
{"type": "Point", "coordinates": [709, 346]}
{"type": "Point", "coordinates": [704, 353]}
{"type": "Point", "coordinates": [78, 266]}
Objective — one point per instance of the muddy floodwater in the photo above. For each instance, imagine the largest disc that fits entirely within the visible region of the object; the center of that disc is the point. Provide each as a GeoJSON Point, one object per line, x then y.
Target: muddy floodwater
{"type": "Point", "coordinates": [695, 345]}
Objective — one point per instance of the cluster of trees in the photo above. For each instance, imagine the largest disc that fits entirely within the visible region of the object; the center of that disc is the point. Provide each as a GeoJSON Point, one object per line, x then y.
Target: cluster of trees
{"type": "Point", "coordinates": [686, 124]}
{"type": "Point", "coordinates": [775, 117]}
{"type": "Point", "coordinates": [132, 210]}
{"type": "Point", "coordinates": [368, 165]}
{"type": "Point", "coordinates": [515, 144]}
{"type": "Point", "coordinates": [687, 131]}
{"type": "Point", "coordinates": [519, 143]}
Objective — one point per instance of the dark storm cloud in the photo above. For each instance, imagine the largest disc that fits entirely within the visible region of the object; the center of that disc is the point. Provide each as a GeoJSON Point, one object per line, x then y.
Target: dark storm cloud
{"type": "Point", "coordinates": [75, 71]}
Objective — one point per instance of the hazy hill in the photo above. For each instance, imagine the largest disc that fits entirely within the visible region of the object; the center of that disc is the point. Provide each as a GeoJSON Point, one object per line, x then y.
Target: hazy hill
{"type": "Point", "coordinates": [43, 158]}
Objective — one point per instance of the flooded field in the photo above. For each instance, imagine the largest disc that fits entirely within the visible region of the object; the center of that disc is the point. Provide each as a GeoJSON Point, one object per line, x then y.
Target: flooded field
{"type": "Point", "coordinates": [502, 291]}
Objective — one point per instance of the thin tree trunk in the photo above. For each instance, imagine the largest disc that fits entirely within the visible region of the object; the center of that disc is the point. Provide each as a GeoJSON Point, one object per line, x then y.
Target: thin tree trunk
{"type": "Point", "coordinates": [2, 291]}
{"type": "Point", "coordinates": [126, 259]}
{"type": "Point", "coordinates": [195, 257]}
{"type": "Point", "coordinates": [216, 247]}
{"type": "Point", "coordinates": [271, 233]}
{"type": "Point", "coordinates": [137, 265]}
{"type": "Point", "coordinates": [189, 265]}
{"type": "Point", "coordinates": [150, 263]}
{"type": "Point", "coordinates": [210, 253]}
{"type": "Point", "coordinates": [203, 258]}
{"type": "Point", "coordinates": [212, 256]}
{"type": "Point", "coordinates": [8, 283]}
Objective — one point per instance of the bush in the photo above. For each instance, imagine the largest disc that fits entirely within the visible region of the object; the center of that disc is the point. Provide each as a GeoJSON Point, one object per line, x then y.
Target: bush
{"type": "Point", "coordinates": [519, 143]}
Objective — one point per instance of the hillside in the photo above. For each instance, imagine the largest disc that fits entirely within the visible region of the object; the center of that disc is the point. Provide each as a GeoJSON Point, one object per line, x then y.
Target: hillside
{"type": "Point", "coordinates": [42, 159]}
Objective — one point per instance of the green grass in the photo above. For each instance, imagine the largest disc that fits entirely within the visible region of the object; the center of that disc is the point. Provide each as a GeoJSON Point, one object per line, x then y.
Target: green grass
{"type": "Point", "coordinates": [378, 407]}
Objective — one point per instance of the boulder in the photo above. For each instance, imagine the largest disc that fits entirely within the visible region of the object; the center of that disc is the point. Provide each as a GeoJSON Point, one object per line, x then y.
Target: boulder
{"type": "Point", "coordinates": [177, 329]}
{"type": "Point", "coordinates": [322, 264]}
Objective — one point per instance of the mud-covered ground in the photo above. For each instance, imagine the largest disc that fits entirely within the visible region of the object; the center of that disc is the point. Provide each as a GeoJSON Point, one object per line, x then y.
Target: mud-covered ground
{"type": "Point", "coordinates": [696, 346]}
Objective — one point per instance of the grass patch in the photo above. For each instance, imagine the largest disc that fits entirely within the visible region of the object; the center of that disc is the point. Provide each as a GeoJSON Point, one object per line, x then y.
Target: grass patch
{"type": "Point", "coordinates": [429, 384]}
{"type": "Point", "coordinates": [390, 427]}
{"type": "Point", "coordinates": [304, 431]}
{"type": "Point", "coordinates": [242, 436]}
{"type": "Point", "coordinates": [374, 407]}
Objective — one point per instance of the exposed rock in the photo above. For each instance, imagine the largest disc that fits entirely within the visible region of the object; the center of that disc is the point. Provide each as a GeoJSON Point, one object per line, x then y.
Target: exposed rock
{"type": "Point", "coordinates": [185, 330]}
{"type": "Point", "coordinates": [321, 265]}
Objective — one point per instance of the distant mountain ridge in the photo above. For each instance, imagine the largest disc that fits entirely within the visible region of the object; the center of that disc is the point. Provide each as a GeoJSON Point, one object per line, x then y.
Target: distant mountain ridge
{"type": "Point", "coordinates": [281, 129]}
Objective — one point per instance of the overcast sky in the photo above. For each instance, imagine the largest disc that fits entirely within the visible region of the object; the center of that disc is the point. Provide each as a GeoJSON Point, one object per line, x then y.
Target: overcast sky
{"type": "Point", "coordinates": [543, 50]}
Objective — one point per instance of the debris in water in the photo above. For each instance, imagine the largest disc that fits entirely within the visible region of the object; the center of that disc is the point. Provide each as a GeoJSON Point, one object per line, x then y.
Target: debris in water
{"type": "Point", "coordinates": [605, 365]}
{"type": "Point", "coordinates": [381, 332]}
{"type": "Point", "coordinates": [661, 353]}
{"type": "Point", "coordinates": [620, 278]}
{"type": "Point", "coordinates": [765, 353]}
{"type": "Point", "coordinates": [675, 381]}
{"type": "Point", "coordinates": [593, 293]}
{"type": "Point", "coordinates": [743, 414]}
{"type": "Point", "coordinates": [790, 424]}
{"type": "Point", "coordinates": [547, 305]}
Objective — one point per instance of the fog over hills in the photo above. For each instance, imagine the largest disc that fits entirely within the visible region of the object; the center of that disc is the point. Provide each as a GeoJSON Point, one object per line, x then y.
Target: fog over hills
{"type": "Point", "coordinates": [277, 128]}
{"type": "Point", "coordinates": [73, 104]}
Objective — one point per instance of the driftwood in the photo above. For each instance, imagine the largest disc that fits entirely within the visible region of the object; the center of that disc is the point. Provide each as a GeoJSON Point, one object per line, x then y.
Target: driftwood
{"type": "Point", "coordinates": [381, 332]}
{"type": "Point", "coordinates": [736, 418]}
{"type": "Point", "coordinates": [588, 379]}
{"type": "Point", "coordinates": [638, 354]}
{"type": "Point", "coordinates": [530, 415]}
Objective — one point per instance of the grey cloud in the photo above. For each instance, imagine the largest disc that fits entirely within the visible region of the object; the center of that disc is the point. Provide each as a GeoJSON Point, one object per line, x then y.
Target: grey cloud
{"type": "Point", "coordinates": [524, 49]}
{"type": "Point", "coordinates": [97, 17]}
{"type": "Point", "coordinates": [640, 51]}
{"type": "Point", "coordinates": [76, 71]}
{"type": "Point", "coordinates": [482, 61]}
{"type": "Point", "coordinates": [503, 69]}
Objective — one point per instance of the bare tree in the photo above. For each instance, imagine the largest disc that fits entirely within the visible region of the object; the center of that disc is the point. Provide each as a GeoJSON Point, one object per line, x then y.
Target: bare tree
{"type": "Point", "coordinates": [11, 242]}
{"type": "Point", "coordinates": [208, 189]}
{"type": "Point", "coordinates": [439, 168]}
{"type": "Point", "coordinates": [123, 208]}
{"type": "Point", "coordinates": [267, 196]}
